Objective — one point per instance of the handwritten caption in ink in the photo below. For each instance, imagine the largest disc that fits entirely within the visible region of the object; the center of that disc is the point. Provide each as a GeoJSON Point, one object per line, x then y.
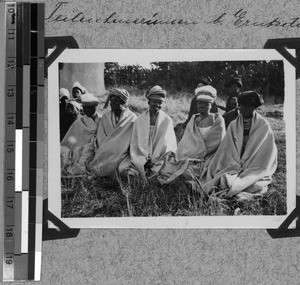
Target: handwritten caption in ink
{"type": "Point", "coordinates": [239, 19]}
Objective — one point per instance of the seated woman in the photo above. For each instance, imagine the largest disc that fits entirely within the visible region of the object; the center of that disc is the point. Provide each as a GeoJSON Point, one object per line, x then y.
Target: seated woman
{"type": "Point", "coordinates": [247, 156]}
{"type": "Point", "coordinates": [204, 81]}
{"type": "Point", "coordinates": [80, 133]}
{"type": "Point", "coordinates": [180, 128]}
{"type": "Point", "coordinates": [200, 141]}
{"type": "Point", "coordinates": [77, 91]}
{"type": "Point", "coordinates": [68, 112]}
{"type": "Point", "coordinates": [111, 144]}
{"type": "Point", "coordinates": [153, 136]}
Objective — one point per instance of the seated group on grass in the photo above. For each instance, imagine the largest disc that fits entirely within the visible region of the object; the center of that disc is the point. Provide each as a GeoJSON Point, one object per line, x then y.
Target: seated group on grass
{"type": "Point", "coordinates": [239, 161]}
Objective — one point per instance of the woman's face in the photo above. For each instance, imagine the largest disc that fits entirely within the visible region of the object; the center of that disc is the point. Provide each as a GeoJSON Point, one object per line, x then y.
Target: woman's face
{"type": "Point", "coordinates": [76, 92]}
{"type": "Point", "coordinates": [203, 107]}
{"type": "Point", "coordinates": [154, 105]}
{"type": "Point", "coordinates": [116, 104]}
{"type": "Point", "coordinates": [233, 103]}
{"type": "Point", "coordinates": [247, 111]}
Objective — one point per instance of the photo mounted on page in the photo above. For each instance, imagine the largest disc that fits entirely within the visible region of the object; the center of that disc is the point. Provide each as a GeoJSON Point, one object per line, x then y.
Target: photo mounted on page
{"type": "Point", "coordinates": [171, 138]}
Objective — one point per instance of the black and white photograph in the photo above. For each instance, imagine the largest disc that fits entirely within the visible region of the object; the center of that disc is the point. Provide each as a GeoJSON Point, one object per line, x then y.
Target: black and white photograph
{"type": "Point", "coordinates": [171, 138]}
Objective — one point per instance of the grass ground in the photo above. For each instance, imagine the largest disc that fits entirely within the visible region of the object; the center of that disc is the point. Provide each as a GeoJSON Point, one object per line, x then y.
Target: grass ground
{"type": "Point", "coordinates": [102, 197]}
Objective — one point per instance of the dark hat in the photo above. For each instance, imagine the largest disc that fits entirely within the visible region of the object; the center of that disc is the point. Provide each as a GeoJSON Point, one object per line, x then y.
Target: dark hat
{"type": "Point", "coordinates": [250, 98]}
{"type": "Point", "coordinates": [235, 80]}
{"type": "Point", "coordinates": [205, 80]}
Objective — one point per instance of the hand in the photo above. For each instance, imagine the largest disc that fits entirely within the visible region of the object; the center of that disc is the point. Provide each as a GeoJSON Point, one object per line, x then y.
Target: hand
{"type": "Point", "coordinates": [148, 164]}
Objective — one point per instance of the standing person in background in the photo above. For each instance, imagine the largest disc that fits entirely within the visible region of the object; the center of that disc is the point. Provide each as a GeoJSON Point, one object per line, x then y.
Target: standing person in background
{"type": "Point", "coordinates": [233, 113]}
{"type": "Point", "coordinates": [80, 133]}
{"type": "Point", "coordinates": [153, 136]}
{"type": "Point", "coordinates": [234, 87]}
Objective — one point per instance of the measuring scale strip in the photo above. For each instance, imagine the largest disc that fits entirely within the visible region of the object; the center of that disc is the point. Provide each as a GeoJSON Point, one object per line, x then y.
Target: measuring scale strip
{"type": "Point", "coordinates": [10, 126]}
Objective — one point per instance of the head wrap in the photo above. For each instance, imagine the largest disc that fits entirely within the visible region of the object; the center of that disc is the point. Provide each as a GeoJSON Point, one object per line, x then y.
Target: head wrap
{"type": "Point", "coordinates": [200, 93]}
{"type": "Point", "coordinates": [235, 80]}
{"type": "Point", "coordinates": [123, 94]}
{"type": "Point", "coordinates": [63, 92]}
{"type": "Point", "coordinates": [250, 98]}
{"type": "Point", "coordinates": [79, 86]}
{"type": "Point", "coordinates": [156, 92]}
{"type": "Point", "coordinates": [88, 100]}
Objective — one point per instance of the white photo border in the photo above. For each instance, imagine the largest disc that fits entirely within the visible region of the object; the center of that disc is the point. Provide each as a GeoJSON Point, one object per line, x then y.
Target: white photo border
{"type": "Point", "coordinates": [155, 55]}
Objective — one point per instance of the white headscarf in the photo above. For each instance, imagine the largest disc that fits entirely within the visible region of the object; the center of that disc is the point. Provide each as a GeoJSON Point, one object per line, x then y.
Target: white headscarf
{"type": "Point", "coordinates": [89, 99]}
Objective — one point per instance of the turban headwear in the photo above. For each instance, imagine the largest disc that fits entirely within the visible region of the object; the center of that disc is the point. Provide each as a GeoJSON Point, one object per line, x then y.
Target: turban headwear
{"type": "Point", "coordinates": [201, 93]}
{"type": "Point", "coordinates": [156, 92]}
{"type": "Point", "coordinates": [123, 94]}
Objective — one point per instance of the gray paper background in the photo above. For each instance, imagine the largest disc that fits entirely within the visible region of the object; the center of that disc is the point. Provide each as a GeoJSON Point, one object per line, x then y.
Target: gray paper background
{"type": "Point", "coordinates": [125, 256]}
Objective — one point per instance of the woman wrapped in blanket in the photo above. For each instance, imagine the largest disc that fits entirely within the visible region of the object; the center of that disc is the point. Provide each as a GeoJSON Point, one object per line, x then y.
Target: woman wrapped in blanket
{"type": "Point", "coordinates": [153, 136]}
{"type": "Point", "coordinates": [247, 157]}
{"type": "Point", "coordinates": [77, 91]}
{"type": "Point", "coordinates": [110, 146]}
{"type": "Point", "coordinates": [69, 111]}
{"type": "Point", "coordinates": [200, 141]}
{"type": "Point", "coordinates": [80, 133]}
{"type": "Point", "coordinates": [70, 107]}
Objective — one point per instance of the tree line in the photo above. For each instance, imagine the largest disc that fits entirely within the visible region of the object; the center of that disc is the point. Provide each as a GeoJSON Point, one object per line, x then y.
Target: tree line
{"type": "Point", "coordinates": [266, 77]}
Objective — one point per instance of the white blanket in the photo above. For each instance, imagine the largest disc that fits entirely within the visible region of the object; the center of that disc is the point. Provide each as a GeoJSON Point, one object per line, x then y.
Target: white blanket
{"type": "Point", "coordinates": [80, 133]}
{"type": "Point", "coordinates": [143, 146]}
{"type": "Point", "coordinates": [194, 150]}
{"type": "Point", "coordinates": [111, 146]}
{"type": "Point", "coordinates": [250, 171]}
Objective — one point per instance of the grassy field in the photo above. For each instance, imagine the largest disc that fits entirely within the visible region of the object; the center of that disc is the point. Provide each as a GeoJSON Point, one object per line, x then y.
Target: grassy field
{"type": "Point", "coordinates": [102, 197]}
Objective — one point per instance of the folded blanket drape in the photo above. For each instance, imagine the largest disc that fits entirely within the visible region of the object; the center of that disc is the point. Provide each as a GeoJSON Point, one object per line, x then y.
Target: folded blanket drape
{"type": "Point", "coordinates": [194, 150]}
{"type": "Point", "coordinates": [251, 171]}
{"type": "Point", "coordinates": [144, 146]}
{"type": "Point", "coordinates": [111, 146]}
{"type": "Point", "coordinates": [80, 133]}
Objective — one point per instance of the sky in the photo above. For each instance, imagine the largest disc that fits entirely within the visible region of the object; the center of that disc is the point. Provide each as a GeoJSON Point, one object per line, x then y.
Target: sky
{"type": "Point", "coordinates": [144, 64]}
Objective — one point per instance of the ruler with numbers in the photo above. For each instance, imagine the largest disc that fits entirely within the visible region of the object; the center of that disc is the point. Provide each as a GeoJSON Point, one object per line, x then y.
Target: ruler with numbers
{"type": "Point", "coordinates": [23, 139]}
